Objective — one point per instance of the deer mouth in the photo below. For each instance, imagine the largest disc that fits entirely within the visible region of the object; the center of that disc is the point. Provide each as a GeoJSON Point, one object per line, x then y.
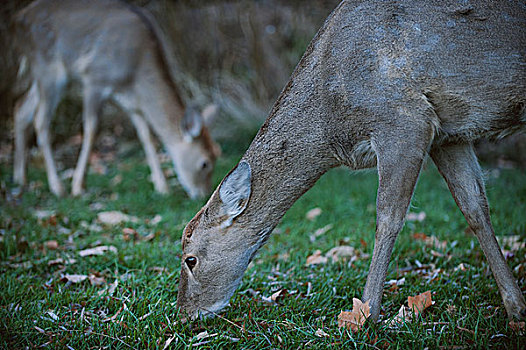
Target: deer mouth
{"type": "Point", "coordinates": [210, 311]}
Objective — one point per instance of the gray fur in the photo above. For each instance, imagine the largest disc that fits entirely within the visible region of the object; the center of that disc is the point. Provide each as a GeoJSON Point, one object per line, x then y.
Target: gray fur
{"type": "Point", "coordinates": [385, 84]}
{"type": "Point", "coordinates": [116, 52]}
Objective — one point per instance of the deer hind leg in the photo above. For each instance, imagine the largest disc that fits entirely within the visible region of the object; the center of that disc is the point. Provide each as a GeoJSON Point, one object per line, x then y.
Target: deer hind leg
{"type": "Point", "coordinates": [24, 115]}
{"type": "Point", "coordinates": [399, 163]}
{"type": "Point", "coordinates": [91, 105]}
{"type": "Point", "coordinates": [459, 167]}
{"type": "Point", "coordinates": [143, 132]}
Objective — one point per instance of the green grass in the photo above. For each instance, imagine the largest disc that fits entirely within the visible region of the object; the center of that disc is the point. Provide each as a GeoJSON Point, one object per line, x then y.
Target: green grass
{"type": "Point", "coordinates": [468, 311]}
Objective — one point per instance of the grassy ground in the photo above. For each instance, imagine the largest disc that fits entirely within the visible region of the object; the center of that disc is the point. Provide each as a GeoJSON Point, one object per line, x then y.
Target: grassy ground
{"type": "Point", "coordinates": [40, 307]}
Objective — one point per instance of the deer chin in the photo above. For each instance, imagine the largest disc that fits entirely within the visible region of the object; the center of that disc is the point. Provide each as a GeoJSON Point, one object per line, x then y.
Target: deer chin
{"type": "Point", "coordinates": [213, 310]}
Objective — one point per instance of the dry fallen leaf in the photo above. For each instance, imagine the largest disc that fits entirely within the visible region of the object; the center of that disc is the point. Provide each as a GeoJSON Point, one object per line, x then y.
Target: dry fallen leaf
{"type": "Point", "coordinates": [513, 242]}
{"type": "Point", "coordinates": [356, 318]}
{"type": "Point", "coordinates": [43, 214]}
{"type": "Point", "coordinates": [278, 295]}
{"type": "Point", "coordinates": [404, 315]}
{"type": "Point", "coordinates": [129, 233]}
{"type": "Point", "coordinates": [95, 280]}
{"type": "Point", "coordinates": [156, 219]}
{"type": "Point", "coordinates": [52, 314]}
{"type": "Point", "coordinates": [417, 305]}
{"type": "Point", "coordinates": [313, 214]}
{"type": "Point", "coordinates": [342, 252]}
{"type": "Point", "coordinates": [74, 278]}
{"type": "Point", "coordinates": [61, 261]}
{"type": "Point", "coordinates": [115, 217]}
{"type": "Point", "coordinates": [517, 327]}
{"type": "Point", "coordinates": [461, 267]}
{"type": "Point", "coordinates": [321, 333]}
{"type": "Point", "coordinates": [100, 250]}
{"type": "Point", "coordinates": [430, 241]}
{"type": "Point", "coordinates": [109, 288]}
{"type": "Point", "coordinates": [316, 258]}
{"type": "Point", "coordinates": [202, 335]}
{"type": "Point", "coordinates": [319, 232]}
{"type": "Point", "coordinates": [169, 341]}
{"type": "Point", "coordinates": [53, 245]}
{"type": "Point", "coordinates": [416, 216]}
{"type": "Point", "coordinates": [420, 302]}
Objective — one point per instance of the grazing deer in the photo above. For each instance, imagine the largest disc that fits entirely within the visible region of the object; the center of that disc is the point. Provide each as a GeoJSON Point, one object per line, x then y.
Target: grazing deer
{"type": "Point", "coordinates": [116, 52]}
{"type": "Point", "coordinates": [382, 84]}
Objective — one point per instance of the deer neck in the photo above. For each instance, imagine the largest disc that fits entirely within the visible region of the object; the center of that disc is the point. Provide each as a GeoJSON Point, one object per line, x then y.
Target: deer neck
{"type": "Point", "coordinates": [287, 156]}
{"type": "Point", "coordinates": [161, 105]}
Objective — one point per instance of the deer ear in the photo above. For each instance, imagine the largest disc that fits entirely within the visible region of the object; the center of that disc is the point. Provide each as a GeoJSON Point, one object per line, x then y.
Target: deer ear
{"type": "Point", "coordinates": [235, 192]}
{"type": "Point", "coordinates": [209, 113]}
{"type": "Point", "coordinates": [192, 124]}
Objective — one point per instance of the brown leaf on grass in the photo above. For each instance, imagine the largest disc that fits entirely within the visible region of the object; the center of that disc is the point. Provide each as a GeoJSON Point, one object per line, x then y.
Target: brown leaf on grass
{"type": "Point", "coordinates": [313, 214]}
{"type": "Point", "coordinates": [156, 220]}
{"type": "Point", "coordinates": [169, 341]}
{"type": "Point", "coordinates": [112, 318]}
{"type": "Point", "coordinates": [321, 333]}
{"type": "Point", "coordinates": [149, 237]}
{"type": "Point", "coordinates": [43, 214]}
{"type": "Point", "coordinates": [109, 289]}
{"type": "Point", "coordinates": [420, 302]}
{"type": "Point", "coordinates": [518, 327]}
{"type": "Point", "coordinates": [416, 216]}
{"type": "Point", "coordinates": [52, 245]}
{"type": "Point", "coordinates": [417, 305]}
{"type": "Point", "coordinates": [74, 278]}
{"type": "Point", "coordinates": [129, 233]}
{"type": "Point", "coordinates": [204, 335]}
{"type": "Point", "coordinates": [96, 280]}
{"type": "Point", "coordinates": [394, 284]}
{"type": "Point", "coordinates": [117, 179]}
{"type": "Point", "coordinates": [461, 267]}
{"type": "Point", "coordinates": [115, 217]}
{"type": "Point", "coordinates": [316, 258]}
{"type": "Point", "coordinates": [159, 270]}
{"type": "Point", "coordinates": [356, 318]}
{"type": "Point", "coordinates": [100, 250]}
{"type": "Point", "coordinates": [342, 252]}
{"type": "Point", "coordinates": [319, 232]}
{"type": "Point", "coordinates": [61, 261]}
{"type": "Point", "coordinates": [430, 241]}
{"type": "Point", "coordinates": [280, 294]}
{"type": "Point", "coordinates": [404, 315]}
{"type": "Point", "coordinates": [513, 242]}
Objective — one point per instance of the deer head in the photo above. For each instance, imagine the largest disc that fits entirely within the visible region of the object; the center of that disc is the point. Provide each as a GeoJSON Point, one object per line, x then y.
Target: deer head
{"type": "Point", "coordinates": [217, 248]}
{"type": "Point", "coordinates": [194, 157]}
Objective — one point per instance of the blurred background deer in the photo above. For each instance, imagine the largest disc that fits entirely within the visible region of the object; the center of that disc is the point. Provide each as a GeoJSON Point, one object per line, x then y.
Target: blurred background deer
{"type": "Point", "coordinates": [116, 52]}
{"type": "Point", "coordinates": [238, 55]}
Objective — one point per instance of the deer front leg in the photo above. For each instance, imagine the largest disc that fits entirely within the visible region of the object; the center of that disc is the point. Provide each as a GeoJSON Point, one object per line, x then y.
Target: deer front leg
{"type": "Point", "coordinates": [460, 168]}
{"type": "Point", "coordinates": [399, 165]}
{"type": "Point", "coordinates": [46, 108]}
{"type": "Point", "coordinates": [92, 101]}
{"type": "Point", "coordinates": [143, 131]}
{"type": "Point", "coordinates": [24, 113]}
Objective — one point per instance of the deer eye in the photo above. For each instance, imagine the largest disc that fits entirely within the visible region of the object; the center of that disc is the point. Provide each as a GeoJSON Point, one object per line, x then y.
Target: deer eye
{"type": "Point", "coordinates": [191, 261]}
{"type": "Point", "coordinates": [205, 165]}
